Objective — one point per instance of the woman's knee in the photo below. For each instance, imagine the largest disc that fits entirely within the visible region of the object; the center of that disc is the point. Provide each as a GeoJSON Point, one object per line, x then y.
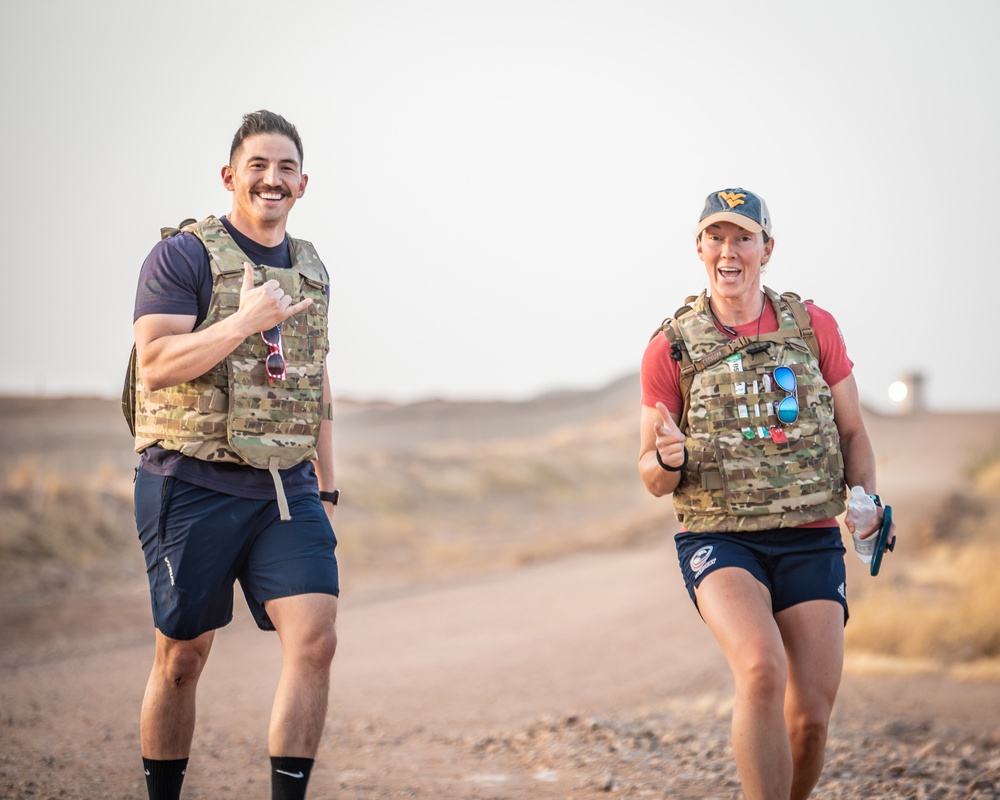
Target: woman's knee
{"type": "Point", "coordinates": [762, 674]}
{"type": "Point", "coordinates": [808, 732]}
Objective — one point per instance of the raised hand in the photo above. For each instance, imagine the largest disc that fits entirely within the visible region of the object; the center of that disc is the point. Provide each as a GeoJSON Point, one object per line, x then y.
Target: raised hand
{"type": "Point", "coordinates": [262, 307]}
{"type": "Point", "coordinates": [669, 439]}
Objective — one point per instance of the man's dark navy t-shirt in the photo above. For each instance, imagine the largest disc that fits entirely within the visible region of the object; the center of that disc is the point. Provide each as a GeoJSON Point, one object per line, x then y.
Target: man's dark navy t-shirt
{"type": "Point", "coordinates": [176, 279]}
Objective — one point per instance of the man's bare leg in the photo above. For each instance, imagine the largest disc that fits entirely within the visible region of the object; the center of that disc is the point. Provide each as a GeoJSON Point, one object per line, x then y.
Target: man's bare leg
{"type": "Point", "coordinates": [166, 725]}
{"type": "Point", "coordinates": [306, 627]}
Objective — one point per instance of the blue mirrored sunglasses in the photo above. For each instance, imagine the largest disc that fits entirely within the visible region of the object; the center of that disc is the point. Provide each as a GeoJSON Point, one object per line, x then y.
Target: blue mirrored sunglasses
{"type": "Point", "coordinates": [788, 408]}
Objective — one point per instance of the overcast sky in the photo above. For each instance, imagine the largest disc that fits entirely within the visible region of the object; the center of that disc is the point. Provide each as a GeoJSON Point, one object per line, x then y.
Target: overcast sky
{"type": "Point", "coordinates": [505, 193]}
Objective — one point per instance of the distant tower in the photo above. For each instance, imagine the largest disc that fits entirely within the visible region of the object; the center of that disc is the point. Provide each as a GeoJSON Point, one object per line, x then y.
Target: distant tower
{"type": "Point", "coordinates": [910, 392]}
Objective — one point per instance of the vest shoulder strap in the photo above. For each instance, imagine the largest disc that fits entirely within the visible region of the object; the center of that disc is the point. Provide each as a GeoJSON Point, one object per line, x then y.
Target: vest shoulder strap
{"type": "Point", "coordinates": [798, 308]}
{"type": "Point", "coordinates": [670, 329]}
{"type": "Point", "coordinates": [128, 392]}
{"type": "Point", "coordinates": [166, 233]}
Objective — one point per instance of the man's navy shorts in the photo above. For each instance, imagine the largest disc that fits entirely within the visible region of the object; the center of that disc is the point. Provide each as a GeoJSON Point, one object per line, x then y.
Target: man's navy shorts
{"type": "Point", "coordinates": [795, 564]}
{"type": "Point", "coordinates": [197, 542]}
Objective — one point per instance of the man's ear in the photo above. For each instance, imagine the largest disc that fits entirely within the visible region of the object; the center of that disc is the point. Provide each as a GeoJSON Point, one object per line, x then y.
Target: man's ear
{"type": "Point", "coordinates": [227, 177]}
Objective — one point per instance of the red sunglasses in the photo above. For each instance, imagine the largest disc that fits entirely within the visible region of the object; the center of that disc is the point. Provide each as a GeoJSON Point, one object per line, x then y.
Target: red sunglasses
{"type": "Point", "coordinates": [274, 364]}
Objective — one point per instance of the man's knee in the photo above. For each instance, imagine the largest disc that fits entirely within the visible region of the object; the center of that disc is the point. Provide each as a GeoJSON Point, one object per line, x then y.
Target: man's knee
{"type": "Point", "coordinates": [320, 647]}
{"type": "Point", "coordinates": [180, 663]}
{"type": "Point", "coordinates": [307, 627]}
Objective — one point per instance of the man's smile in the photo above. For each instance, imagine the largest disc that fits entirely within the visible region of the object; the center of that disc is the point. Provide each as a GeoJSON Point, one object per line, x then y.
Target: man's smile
{"type": "Point", "coordinates": [271, 194]}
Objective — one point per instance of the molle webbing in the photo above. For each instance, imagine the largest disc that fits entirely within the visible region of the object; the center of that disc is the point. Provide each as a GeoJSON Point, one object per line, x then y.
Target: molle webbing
{"type": "Point", "coordinates": [670, 329]}
{"type": "Point", "coordinates": [745, 471]}
{"type": "Point", "coordinates": [233, 413]}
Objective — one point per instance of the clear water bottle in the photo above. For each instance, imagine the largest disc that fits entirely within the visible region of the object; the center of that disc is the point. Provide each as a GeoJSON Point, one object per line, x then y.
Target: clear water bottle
{"type": "Point", "coordinates": [862, 514]}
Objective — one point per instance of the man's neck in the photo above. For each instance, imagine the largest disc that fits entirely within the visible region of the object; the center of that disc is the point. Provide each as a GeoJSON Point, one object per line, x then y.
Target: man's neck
{"type": "Point", "coordinates": [266, 235]}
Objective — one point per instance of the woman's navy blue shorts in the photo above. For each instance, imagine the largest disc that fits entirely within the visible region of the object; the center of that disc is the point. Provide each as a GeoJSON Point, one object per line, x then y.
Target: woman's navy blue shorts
{"type": "Point", "coordinates": [795, 564]}
{"type": "Point", "coordinates": [197, 542]}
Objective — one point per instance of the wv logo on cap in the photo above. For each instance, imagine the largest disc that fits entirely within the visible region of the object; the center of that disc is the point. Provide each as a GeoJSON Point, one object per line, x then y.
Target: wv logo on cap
{"type": "Point", "coordinates": [732, 198]}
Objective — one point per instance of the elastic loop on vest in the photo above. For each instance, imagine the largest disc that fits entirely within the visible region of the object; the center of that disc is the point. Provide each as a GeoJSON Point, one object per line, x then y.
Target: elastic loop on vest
{"type": "Point", "coordinates": [711, 481]}
{"type": "Point", "coordinates": [219, 401]}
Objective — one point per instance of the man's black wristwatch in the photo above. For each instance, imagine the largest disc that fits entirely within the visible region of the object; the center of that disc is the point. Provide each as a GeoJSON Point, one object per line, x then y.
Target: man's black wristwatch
{"type": "Point", "coordinates": [330, 497]}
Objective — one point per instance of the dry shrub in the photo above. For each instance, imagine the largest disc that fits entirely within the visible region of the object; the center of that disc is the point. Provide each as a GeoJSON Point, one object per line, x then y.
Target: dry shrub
{"type": "Point", "coordinates": [46, 517]}
{"type": "Point", "coordinates": [942, 603]}
{"type": "Point", "coordinates": [945, 608]}
{"type": "Point", "coordinates": [987, 479]}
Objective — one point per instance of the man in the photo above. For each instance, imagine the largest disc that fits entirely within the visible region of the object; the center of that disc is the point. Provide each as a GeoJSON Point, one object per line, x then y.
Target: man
{"type": "Point", "coordinates": [236, 478]}
{"type": "Point", "coordinates": [751, 420]}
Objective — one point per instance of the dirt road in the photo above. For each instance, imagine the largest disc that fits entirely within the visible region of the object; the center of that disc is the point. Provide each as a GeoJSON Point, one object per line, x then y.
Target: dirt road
{"type": "Point", "coordinates": [572, 678]}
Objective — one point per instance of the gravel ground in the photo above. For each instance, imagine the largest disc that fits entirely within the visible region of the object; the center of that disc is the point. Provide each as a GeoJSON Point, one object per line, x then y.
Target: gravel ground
{"type": "Point", "coordinates": [666, 756]}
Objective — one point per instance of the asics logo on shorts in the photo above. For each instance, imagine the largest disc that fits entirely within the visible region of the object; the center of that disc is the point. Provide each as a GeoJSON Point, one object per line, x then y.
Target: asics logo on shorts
{"type": "Point", "coordinates": [702, 560]}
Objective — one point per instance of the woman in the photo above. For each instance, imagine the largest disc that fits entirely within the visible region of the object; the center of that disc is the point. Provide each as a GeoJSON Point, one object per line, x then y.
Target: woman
{"type": "Point", "coordinates": [751, 420]}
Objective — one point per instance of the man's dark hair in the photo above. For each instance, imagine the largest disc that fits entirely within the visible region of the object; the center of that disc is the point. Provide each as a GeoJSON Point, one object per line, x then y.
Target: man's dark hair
{"type": "Point", "coordinates": [264, 121]}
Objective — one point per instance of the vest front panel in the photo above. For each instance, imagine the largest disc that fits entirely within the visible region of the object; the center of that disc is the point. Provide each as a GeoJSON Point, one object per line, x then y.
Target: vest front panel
{"type": "Point", "coordinates": [746, 470]}
{"type": "Point", "coordinates": [233, 413]}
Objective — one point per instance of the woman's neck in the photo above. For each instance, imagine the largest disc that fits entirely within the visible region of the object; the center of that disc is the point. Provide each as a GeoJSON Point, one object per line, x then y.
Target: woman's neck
{"type": "Point", "coordinates": [733, 313]}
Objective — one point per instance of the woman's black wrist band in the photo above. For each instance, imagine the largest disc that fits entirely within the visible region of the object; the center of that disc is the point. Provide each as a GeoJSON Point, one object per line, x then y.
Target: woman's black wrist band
{"type": "Point", "coordinates": [669, 468]}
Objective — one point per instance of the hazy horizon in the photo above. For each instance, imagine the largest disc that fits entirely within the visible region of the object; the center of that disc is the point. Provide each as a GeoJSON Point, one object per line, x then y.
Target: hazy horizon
{"type": "Point", "coordinates": [505, 194]}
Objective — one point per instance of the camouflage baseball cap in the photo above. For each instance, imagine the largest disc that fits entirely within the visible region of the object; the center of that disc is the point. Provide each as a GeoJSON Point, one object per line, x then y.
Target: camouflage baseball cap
{"type": "Point", "coordinates": [739, 206]}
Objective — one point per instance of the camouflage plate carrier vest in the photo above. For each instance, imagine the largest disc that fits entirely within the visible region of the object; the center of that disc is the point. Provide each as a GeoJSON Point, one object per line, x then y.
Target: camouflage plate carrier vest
{"type": "Point", "coordinates": [735, 478]}
{"type": "Point", "coordinates": [232, 414]}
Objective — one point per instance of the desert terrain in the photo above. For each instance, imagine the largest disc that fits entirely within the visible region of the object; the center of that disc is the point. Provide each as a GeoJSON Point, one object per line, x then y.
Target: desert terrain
{"type": "Point", "coordinates": [512, 625]}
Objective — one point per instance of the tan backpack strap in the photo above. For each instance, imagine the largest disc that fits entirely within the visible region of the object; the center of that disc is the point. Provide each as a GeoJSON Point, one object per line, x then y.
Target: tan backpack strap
{"type": "Point", "coordinates": [798, 309]}
{"type": "Point", "coordinates": [679, 353]}
{"type": "Point", "coordinates": [128, 392]}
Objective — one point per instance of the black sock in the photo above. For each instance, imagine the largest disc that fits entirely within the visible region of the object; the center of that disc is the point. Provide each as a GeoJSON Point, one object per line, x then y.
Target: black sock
{"type": "Point", "coordinates": [164, 778]}
{"type": "Point", "coordinates": [289, 777]}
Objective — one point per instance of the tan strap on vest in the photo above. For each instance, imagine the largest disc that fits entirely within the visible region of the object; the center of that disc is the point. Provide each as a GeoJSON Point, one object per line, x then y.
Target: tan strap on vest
{"type": "Point", "coordinates": [279, 490]}
{"type": "Point", "coordinates": [798, 309]}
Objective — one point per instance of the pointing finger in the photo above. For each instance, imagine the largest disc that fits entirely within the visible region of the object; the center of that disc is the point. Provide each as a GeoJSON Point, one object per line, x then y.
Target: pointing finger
{"type": "Point", "coordinates": [300, 306]}
{"type": "Point", "coordinates": [669, 426]}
